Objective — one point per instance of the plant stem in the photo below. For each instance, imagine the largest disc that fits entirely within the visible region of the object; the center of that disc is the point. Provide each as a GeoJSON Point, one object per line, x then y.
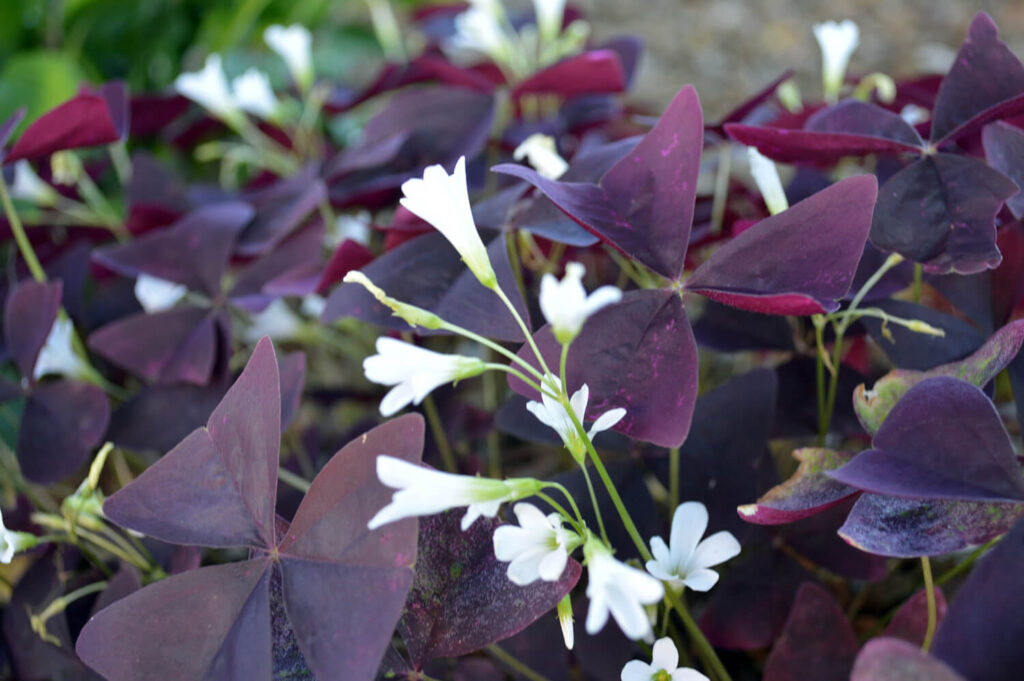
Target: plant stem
{"type": "Point", "coordinates": [967, 562]}
{"type": "Point", "coordinates": [704, 648]}
{"type": "Point", "coordinates": [673, 479]}
{"type": "Point", "coordinates": [926, 567]}
{"type": "Point", "coordinates": [918, 277]}
{"type": "Point", "coordinates": [293, 480]}
{"type": "Point", "coordinates": [519, 668]}
{"type": "Point", "coordinates": [24, 245]}
{"type": "Point", "coordinates": [593, 502]}
{"type": "Point", "coordinates": [572, 502]}
{"type": "Point", "coordinates": [525, 329]}
{"type": "Point", "coordinates": [440, 436]}
{"type": "Point", "coordinates": [487, 342]}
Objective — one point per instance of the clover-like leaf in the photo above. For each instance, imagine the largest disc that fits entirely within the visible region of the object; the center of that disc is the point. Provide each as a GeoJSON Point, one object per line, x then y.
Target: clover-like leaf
{"type": "Point", "coordinates": [643, 205]}
{"type": "Point", "coordinates": [892, 659]}
{"type": "Point", "coordinates": [596, 71]}
{"type": "Point", "coordinates": [910, 622]}
{"type": "Point", "coordinates": [83, 121]}
{"type": "Point", "coordinates": [789, 264]}
{"type": "Point", "coordinates": [1004, 151]}
{"type": "Point", "coordinates": [462, 599]}
{"type": "Point", "coordinates": [817, 641]}
{"type": "Point", "coordinates": [808, 491]}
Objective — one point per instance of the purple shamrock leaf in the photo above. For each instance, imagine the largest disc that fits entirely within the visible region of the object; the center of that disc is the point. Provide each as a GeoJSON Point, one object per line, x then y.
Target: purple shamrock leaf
{"type": "Point", "coordinates": [910, 622]}
{"type": "Point", "coordinates": [787, 263]}
{"type": "Point", "coordinates": [279, 210]}
{"type": "Point", "coordinates": [83, 121]}
{"type": "Point", "coordinates": [597, 71]}
{"type": "Point", "coordinates": [808, 491]}
{"type": "Point", "coordinates": [817, 641]}
{"type": "Point", "coordinates": [462, 599]}
{"type": "Point", "coordinates": [943, 440]}
{"type": "Point", "coordinates": [643, 205]}
{"type": "Point", "coordinates": [892, 659]}
{"type": "Point", "coordinates": [1004, 151]}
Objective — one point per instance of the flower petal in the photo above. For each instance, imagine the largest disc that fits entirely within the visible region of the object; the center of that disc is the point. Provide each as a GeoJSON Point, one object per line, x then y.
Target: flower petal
{"type": "Point", "coordinates": [553, 565]}
{"type": "Point", "coordinates": [701, 580]}
{"type": "Point", "coordinates": [606, 421]}
{"type": "Point", "coordinates": [689, 522]}
{"type": "Point", "coordinates": [665, 656]}
{"type": "Point", "coordinates": [718, 548]}
{"type": "Point", "coordinates": [635, 670]}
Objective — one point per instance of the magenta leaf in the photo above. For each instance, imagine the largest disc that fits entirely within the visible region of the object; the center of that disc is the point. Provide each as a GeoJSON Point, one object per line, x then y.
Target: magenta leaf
{"type": "Point", "coordinates": [62, 422]}
{"type": "Point", "coordinates": [940, 211]}
{"type": "Point", "coordinates": [943, 440]}
{"type": "Point", "coordinates": [908, 528]}
{"type": "Point", "coordinates": [910, 622]}
{"type": "Point", "coordinates": [986, 82]}
{"type": "Point", "coordinates": [643, 206]}
{"type": "Point", "coordinates": [592, 72]}
{"type": "Point", "coordinates": [892, 659]}
{"type": "Point", "coordinates": [854, 117]}
{"type": "Point", "coordinates": [83, 121]}
{"type": "Point", "coordinates": [1004, 151]}
{"type": "Point", "coordinates": [788, 264]}
{"type": "Point", "coordinates": [817, 640]}
{"type": "Point", "coordinates": [808, 491]}
{"type": "Point", "coordinates": [462, 599]}
{"type": "Point", "coordinates": [980, 635]}
{"type": "Point", "coordinates": [817, 146]}
{"type": "Point", "coordinates": [29, 314]}
{"type": "Point", "coordinates": [427, 272]}
{"type": "Point", "coordinates": [638, 354]}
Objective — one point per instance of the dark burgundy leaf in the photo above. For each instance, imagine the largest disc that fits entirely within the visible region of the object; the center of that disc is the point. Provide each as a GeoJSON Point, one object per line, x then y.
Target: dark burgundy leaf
{"type": "Point", "coordinates": [869, 120]}
{"type": "Point", "coordinates": [891, 659]}
{"type": "Point", "coordinates": [343, 584]}
{"type": "Point", "coordinates": [643, 205]}
{"type": "Point", "coordinates": [1004, 150]}
{"type": "Point", "coordinates": [738, 114]}
{"type": "Point", "coordinates": [540, 646]}
{"type": "Point", "coordinates": [350, 255]}
{"type": "Point", "coordinates": [817, 641]}
{"type": "Point", "coordinates": [943, 440]}
{"type": "Point", "coordinates": [597, 71]}
{"type": "Point", "coordinates": [806, 492]}
{"type": "Point", "coordinates": [236, 457]}
{"type": "Point", "coordinates": [125, 582]}
{"type": "Point", "coordinates": [986, 82]}
{"type": "Point", "coordinates": [193, 252]}
{"type": "Point", "coordinates": [61, 424]}
{"type": "Point", "coordinates": [175, 346]}
{"type": "Point", "coordinates": [462, 599]}
{"type": "Point", "coordinates": [940, 211]}
{"type": "Point", "coordinates": [911, 621]}
{"type": "Point", "coordinates": [815, 539]}
{"type": "Point", "coordinates": [280, 209]}
{"type": "Point", "coordinates": [212, 623]}
{"type": "Point", "coordinates": [630, 50]}
{"type": "Point", "coordinates": [918, 351]}
{"type": "Point", "coordinates": [809, 146]}
{"type": "Point", "coordinates": [299, 253]}
{"type": "Point", "coordinates": [638, 354]}
{"type": "Point", "coordinates": [428, 272]}
{"type": "Point", "coordinates": [115, 94]}
{"type": "Point", "coordinates": [149, 114]}
{"type": "Point", "coordinates": [29, 314]}
{"type": "Point", "coordinates": [797, 415]}
{"type": "Point", "coordinates": [292, 369]}
{"type": "Point", "coordinates": [727, 329]}
{"type": "Point", "coordinates": [788, 264]}
{"type": "Point", "coordinates": [908, 528]}
{"type": "Point", "coordinates": [972, 295]}
{"type": "Point", "coordinates": [980, 636]}
{"type": "Point", "coordinates": [83, 121]}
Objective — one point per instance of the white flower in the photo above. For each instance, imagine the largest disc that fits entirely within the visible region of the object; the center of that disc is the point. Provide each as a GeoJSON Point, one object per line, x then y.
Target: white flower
{"type": "Point", "coordinates": [58, 356]}
{"type": "Point", "coordinates": [313, 305]}
{"type": "Point", "coordinates": [156, 294]}
{"type": "Point", "coordinates": [619, 589]}
{"type": "Point", "coordinates": [424, 491]}
{"type": "Point", "coordinates": [28, 186]}
{"type": "Point", "coordinates": [564, 611]}
{"type": "Point", "coordinates": [209, 88]}
{"type": "Point", "coordinates": [13, 542]}
{"type": "Point", "coordinates": [413, 316]}
{"type": "Point", "coordinates": [551, 413]}
{"type": "Point", "coordinates": [766, 175]}
{"type": "Point", "coordinates": [689, 558]}
{"type": "Point", "coordinates": [664, 666]}
{"type": "Point", "coordinates": [566, 305]}
{"type": "Point", "coordinates": [539, 149]}
{"type": "Point", "coordinates": [277, 321]}
{"type": "Point", "coordinates": [443, 201]}
{"type": "Point", "coordinates": [538, 548]}
{"type": "Point", "coordinates": [914, 114]}
{"type": "Point", "coordinates": [294, 45]}
{"type": "Point", "coordinates": [479, 30]}
{"type": "Point", "coordinates": [414, 371]}
{"type": "Point", "coordinates": [837, 42]}
{"type": "Point", "coordinates": [550, 14]}
{"type": "Point", "coordinates": [253, 93]}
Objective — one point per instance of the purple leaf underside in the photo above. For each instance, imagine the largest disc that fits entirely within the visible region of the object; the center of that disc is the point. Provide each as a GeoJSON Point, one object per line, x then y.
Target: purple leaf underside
{"type": "Point", "coordinates": [808, 491]}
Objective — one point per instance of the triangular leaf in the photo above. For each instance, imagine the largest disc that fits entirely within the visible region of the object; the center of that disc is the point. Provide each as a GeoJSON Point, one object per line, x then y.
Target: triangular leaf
{"type": "Point", "coordinates": [61, 424]}
{"type": "Point", "coordinates": [29, 314]}
{"type": "Point", "coordinates": [891, 659]}
{"type": "Point", "coordinates": [1004, 151]}
{"type": "Point", "coordinates": [84, 121]}
{"type": "Point", "coordinates": [806, 492]}
{"type": "Point", "coordinates": [817, 641]}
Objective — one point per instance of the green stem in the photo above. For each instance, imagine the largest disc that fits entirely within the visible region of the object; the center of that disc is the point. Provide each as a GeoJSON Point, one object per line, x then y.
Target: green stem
{"type": "Point", "coordinates": [516, 665]}
{"type": "Point", "coordinates": [24, 245]}
{"type": "Point", "coordinates": [926, 567]}
{"type": "Point", "coordinates": [525, 329]}
{"type": "Point", "coordinates": [962, 567]}
{"type": "Point", "coordinates": [522, 377]}
{"type": "Point", "coordinates": [292, 480]}
{"type": "Point", "coordinates": [487, 342]}
{"type": "Point", "coordinates": [918, 281]}
{"type": "Point", "coordinates": [673, 479]}
{"type": "Point", "coordinates": [562, 512]}
{"type": "Point", "coordinates": [572, 502]}
{"type": "Point", "coordinates": [490, 389]}
{"type": "Point", "coordinates": [440, 436]}
{"type": "Point", "coordinates": [819, 342]}
{"type": "Point", "coordinates": [704, 648]}
{"type": "Point", "coordinates": [593, 502]}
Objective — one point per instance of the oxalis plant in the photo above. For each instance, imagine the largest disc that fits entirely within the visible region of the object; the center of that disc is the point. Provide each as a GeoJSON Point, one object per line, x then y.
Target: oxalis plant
{"type": "Point", "coordinates": [778, 439]}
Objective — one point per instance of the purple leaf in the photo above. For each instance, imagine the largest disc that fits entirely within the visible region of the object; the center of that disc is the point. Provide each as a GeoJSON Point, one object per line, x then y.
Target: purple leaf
{"type": "Point", "coordinates": [299, 252]}
{"type": "Point", "coordinates": [638, 354]}
{"type": "Point", "coordinates": [29, 314]}
{"type": "Point", "coordinates": [940, 211]}
{"type": "Point", "coordinates": [728, 329]}
{"type": "Point", "coordinates": [462, 599]}
{"type": "Point", "coordinates": [597, 71]}
{"type": "Point", "coordinates": [910, 622]}
{"type": "Point", "coordinates": [809, 146]}
{"type": "Point", "coordinates": [179, 345]}
{"type": "Point", "coordinates": [907, 528]}
{"type": "Point", "coordinates": [982, 366]}
{"type": "Point", "coordinates": [193, 252]}
{"type": "Point", "coordinates": [236, 457]}
{"type": "Point", "coordinates": [891, 659]}
{"type": "Point", "coordinates": [855, 117]}
{"type": "Point", "coordinates": [817, 641]}
{"type": "Point", "coordinates": [61, 424]}
{"type": "Point", "coordinates": [428, 272]}
{"type": "Point", "coordinates": [788, 264]}
{"type": "Point", "coordinates": [910, 350]}
{"type": "Point", "coordinates": [980, 636]}
{"type": "Point", "coordinates": [115, 94]}
{"type": "Point", "coordinates": [808, 491]}
{"type": "Point", "coordinates": [343, 585]}
{"type": "Point", "coordinates": [815, 539]}
{"type": "Point", "coordinates": [83, 121]}
{"type": "Point", "coordinates": [985, 83]}
{"type": "Point", "coordinates": [212, 623]}
{"type": "Point", "coordinates": [943, 440]}
{"type": "Point", "coordinates": [1004, 151]}
{"type": "Point", "coordinates": [738, 114]}
{"type": "Point", "coordinates": [280, 209]}
{"type": "Point", "coordinates": [643, 206]}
